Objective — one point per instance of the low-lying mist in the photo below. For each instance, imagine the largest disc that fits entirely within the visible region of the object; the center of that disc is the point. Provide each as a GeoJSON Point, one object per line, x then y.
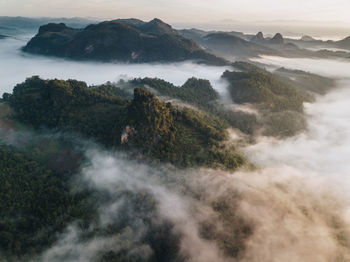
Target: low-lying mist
{"type": "Point", "coordinates": [325, 146]}
{"type": "Point", "coordinates": [17, 66]}
{"type": "Point", "coordinates": [338, 68]}
{"type": "Point", "coordinates": [273, 214]}
{"type": "Point", "coordinates": [293, 207]}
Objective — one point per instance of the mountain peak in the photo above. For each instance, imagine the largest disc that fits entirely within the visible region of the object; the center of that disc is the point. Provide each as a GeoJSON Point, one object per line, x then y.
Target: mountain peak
{"type": "Point", "coordinates": [307, 38]}
{"type": "Point", "coordinates": [156, 21]}
{"type": "Point", "coordinates": [131, 21]}
{"type": "Point", "coordinates": [52, 27]}
{"type": "Point", "coordinates": [127, 40]}
{"type": "Point", "coordinates": [346, 39]}
{"type": "Point", "coordinates": [259, 37]}
{"type": "Point", "coordinates": [277, 39]}
{"type": "Point", "coordinates": [157, 26]}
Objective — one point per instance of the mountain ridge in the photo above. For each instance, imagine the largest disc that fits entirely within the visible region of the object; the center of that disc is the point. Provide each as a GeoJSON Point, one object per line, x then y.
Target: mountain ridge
{"type": "Point", "coordinates": [121, 40]}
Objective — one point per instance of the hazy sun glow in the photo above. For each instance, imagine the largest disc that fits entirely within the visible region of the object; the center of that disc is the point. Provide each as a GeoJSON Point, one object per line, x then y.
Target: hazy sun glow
{"type": "Point", "coordinates": [325, 18]}
{"type": "Point", "coordinates": [186, 11]}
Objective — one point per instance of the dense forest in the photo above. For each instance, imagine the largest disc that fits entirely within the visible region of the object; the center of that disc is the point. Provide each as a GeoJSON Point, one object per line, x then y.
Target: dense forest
{"type": "Point", "coordinates": [184, 137]}
{"type": "Point", "coordinates": [147, 120]}
{"type": "Point", "coordinates": [35, 204]}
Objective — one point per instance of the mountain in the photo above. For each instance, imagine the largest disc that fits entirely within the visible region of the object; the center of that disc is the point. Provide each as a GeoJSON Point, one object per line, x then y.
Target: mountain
{"type": "Point", "coordinates": [143, 128]}
{"type": "Point", "coordinates": [198, 33]}
{"type": "Point", "coordinates": [123, 40]}
{"type": "Point", "coordinates": [228, 45]}
{"type": "Point", "coordinates": [258, 38]}
{"type": "Point", "coordinates": [277, 97]}
{"type": "Point", "coordinates": [345, 43]}
{"type": "Point", "coordinates": [307, 38]}
{"type": "Point", "coordinates": [144, 124]}
{"type": "Point", "coordinates": [194, 34]}
{"type": "Point", "coordinates": [235, 46]}
{"type": "Point", "coordinates": [324, 47]}
{"type": "Point", "coordinates": [239, 46]}
{"type": "Point", "coordinates": [277, 39]}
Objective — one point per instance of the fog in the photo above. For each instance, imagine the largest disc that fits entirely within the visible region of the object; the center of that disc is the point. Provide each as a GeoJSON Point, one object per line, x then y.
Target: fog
{"type": "Point", "coordinates": [16, 66]}
{"type": "Point", "coordinates": [295, 215]}
{"type": "Point", "coordinates": [325, 146]}
{"type": "Point", "coordinates": [296, 203]}
{"type": "Point", "coordinates": [338, 68]}
{"type": "Point", "coordinates": [327, 48]}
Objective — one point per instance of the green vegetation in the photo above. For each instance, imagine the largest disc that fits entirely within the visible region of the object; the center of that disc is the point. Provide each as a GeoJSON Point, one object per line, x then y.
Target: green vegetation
{"type": "Point", "coordinates": [198, 92]}
{"type": "Point", "coordinates": [184, 137]}
{"type": "Point", "coordinates": [35, 204]}
{"type": "Point", "coordinates": [38, 199]}
{"type": "Point", "coordinates": [287, 123]}
{"type": "Point", "coordinates": [69, 106]}
{"type": "Point", "coordinates": [277, 96]}
{"type": "Point", "coordinates": [307, 81]}
{"type": "Point", "coordinates": [261, 87]}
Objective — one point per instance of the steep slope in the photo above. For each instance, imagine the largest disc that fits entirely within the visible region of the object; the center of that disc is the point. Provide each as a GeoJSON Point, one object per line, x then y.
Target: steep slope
{"type": "Point", "coordinates": [278, 99]}
{"type": "Point", "coordinates": [277, 39]}
{"type": "Point", "coordinates": [144, 125]}
{"type": "Point", "coordinates": [307, 38]}
{"type": "Point", "coordinates": [233, 46]}
{"type": "Point", "coordinates": [345, 43]}
{"type": "Point", "coordinates": [128, 40]}
{"type": "Point", "coordinates": [258, 38]}
{"type": "Point", "coordinates": [35, 205]}
{"type": "Point", "coordinates": [227, 44]}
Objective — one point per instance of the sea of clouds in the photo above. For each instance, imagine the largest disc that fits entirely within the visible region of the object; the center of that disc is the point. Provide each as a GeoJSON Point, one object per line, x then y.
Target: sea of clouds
{"type": "Point", "coordinates": [297, 201]}
{"type": "Point", "coordinates": [16, 66]}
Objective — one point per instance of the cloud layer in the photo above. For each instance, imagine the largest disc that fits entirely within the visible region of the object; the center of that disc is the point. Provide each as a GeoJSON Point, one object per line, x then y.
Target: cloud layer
{"type": "Point", "coordinates": [17, 66]}
{"type": "Point", "coordinates": [294, 208]}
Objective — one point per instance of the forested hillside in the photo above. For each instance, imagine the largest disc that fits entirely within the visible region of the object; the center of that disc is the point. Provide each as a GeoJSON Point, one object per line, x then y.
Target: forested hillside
{"type": "Point", "coordinates": [184, 137]}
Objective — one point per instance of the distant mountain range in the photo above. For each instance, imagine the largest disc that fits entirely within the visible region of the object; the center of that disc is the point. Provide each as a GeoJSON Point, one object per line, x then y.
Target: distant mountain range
{"type": "Point", "coordinates": [136, 41]}
{"type": "Point", "coordinates": [236, 45]}
{"type": "Point", "coordinates": [123, 40]}
{"type": "Point", "coordinates": [276, 40]}
{"type": "Point", "coordinates": [19, 25]}
{"type": "Point", "coordinates": [345, 43]}
{"type": "Point", "coordinates": [226, 44]}
{"type": "Point", "coordinates": [310, 42]}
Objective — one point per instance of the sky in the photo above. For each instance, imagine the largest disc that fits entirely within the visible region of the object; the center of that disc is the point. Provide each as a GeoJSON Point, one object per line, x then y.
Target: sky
{"type": "Point", "coordinates": [185, 10]}
{"type": "Point", "coordinates": [224, 13]}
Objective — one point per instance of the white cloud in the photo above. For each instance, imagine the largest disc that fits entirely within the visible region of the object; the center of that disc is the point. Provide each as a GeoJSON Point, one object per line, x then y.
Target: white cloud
{"type": "Point", "coordinates": [17, 66]}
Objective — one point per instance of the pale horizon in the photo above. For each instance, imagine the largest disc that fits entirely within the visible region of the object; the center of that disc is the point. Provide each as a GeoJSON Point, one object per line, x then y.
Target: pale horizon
{"type": "Point", "coordinates": [317, 18]}
{"type": "Point", "coordinates": [179, 11]}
